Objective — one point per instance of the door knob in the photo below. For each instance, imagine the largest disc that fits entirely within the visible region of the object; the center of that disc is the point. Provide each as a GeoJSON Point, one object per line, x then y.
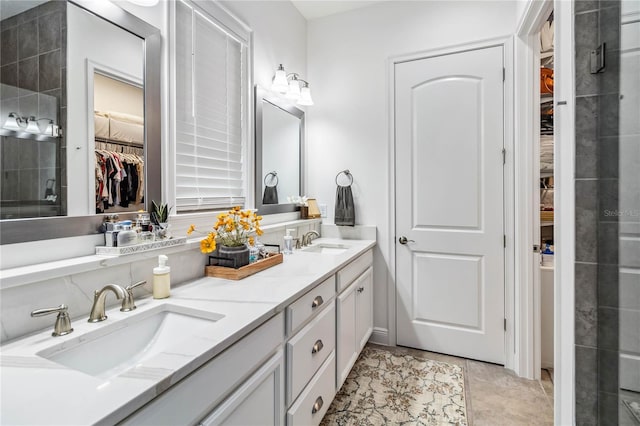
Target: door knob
{"type": "Point", "coordinates": [404, 240]}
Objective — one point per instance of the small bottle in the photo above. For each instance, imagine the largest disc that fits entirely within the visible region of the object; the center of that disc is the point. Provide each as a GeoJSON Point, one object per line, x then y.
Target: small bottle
{"type": "Point", "coordinates": [288, 242]}
{"type": "Point", "coordinates": [161, 278]}
{"type": "Point", "coordinates": [127, 237]}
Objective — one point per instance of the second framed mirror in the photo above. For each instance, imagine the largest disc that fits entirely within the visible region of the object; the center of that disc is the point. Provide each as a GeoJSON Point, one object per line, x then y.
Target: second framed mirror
{"type": "Point", "coordinates": [279, 137]}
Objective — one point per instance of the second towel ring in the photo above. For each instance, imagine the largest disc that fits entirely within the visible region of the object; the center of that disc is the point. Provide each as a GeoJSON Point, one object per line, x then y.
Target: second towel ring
{"type": "Point", "coordinates": [274, 176]}
{"type": "Point", "coordinates": [348, 174]}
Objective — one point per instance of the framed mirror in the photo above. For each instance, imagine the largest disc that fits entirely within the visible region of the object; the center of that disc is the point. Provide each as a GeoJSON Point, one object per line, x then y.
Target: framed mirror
{"type": "Point", "coordinates": [279, 137]}
{"type": "Point", "coordinates": [71, 155]}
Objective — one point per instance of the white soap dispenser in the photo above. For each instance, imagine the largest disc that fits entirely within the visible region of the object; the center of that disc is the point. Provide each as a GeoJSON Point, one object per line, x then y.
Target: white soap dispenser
{"type": "Point", "coordinates": [288, 242]}
{"type": "Point", "coordinates": [161, 278]}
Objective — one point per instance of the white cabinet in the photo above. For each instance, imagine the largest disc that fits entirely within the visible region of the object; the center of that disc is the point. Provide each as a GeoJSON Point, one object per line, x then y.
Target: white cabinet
{"type": "Point", "coordinates": [257, 402]}
{"type": "Point", "coordinates": [354, 320]}
{"type": "Point", "coordinates": [189, 401]}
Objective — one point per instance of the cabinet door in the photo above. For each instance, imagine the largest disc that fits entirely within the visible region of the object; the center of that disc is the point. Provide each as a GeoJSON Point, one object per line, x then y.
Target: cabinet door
{"type": "Point", "coordinates": [346, 333]}
{"type": "Point", "coordinates": [258, 401]}
{"type": "Point", "coordinates": [364, 308]}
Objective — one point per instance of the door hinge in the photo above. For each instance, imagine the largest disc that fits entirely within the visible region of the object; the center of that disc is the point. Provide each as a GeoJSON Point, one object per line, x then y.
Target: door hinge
{"type": "Point", "coordinates": [504, 240]}
{"type": "Point", "coordinates": [505, 324]}
{"type": "Point", "coordinates": [504, 156]}
{"type": "Point", "coordinates": [504, 74]}
{"type": "Point", "coordinates": [536, 248]}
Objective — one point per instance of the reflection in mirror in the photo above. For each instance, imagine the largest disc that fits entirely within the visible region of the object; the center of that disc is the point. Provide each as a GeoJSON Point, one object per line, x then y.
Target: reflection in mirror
{"type": "Point", "coordinates": [118, 123]}
{"type": "Point", "coordinates": [31, 106]}
{"type": "Point", "coordinates": [279, 148]}
{"type": "Point", "coordinates": [49, 79]}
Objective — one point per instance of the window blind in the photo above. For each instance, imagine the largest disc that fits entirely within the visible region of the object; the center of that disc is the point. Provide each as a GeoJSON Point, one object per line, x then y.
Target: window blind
{"type": "Point", "coordinates": [210, 92]}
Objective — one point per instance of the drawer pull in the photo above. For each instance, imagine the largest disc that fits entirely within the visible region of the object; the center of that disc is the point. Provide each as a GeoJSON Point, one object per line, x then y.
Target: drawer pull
{"type": "Point", "coordinates": [317, 347]}
{"type": "Point", "coordinates": [360, 289]}
{"type": "Point", "coordinates": [317, 405]}
{"type": "Point", "coordinates": [317, 302]}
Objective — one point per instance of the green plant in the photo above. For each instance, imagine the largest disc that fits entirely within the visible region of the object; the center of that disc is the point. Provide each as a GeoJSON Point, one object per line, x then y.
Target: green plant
{"type": "Point", "coordinates": [160, 213]}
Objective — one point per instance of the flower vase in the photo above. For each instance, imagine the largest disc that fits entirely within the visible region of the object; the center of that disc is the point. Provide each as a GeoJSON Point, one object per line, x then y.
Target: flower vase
{"type": "Point", "coordinates": [237, 256]}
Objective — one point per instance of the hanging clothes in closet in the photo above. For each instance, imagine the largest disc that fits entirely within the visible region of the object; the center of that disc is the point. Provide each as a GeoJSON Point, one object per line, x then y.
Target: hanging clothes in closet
{"type": "Point", "coordinates": [119, 182]}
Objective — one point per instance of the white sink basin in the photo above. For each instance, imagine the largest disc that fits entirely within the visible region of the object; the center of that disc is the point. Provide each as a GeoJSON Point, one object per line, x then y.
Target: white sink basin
{"type": "Point", "coordinates": [326, 248]}
{"type": "Point", "coordinates": [111, 350]}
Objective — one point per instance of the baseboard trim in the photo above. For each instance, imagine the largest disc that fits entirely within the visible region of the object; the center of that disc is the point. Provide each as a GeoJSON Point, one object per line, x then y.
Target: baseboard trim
{"type": "Point", "coordinates": [380, 336]}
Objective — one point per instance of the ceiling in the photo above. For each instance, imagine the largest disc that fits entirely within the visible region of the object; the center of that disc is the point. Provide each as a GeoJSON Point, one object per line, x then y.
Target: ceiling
{"type": "Point", "coordinates": [313, 9]}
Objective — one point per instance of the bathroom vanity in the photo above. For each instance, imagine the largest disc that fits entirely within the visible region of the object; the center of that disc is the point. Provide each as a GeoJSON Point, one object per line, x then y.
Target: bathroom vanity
{"type": "Point", "coordinates": [273, 348]}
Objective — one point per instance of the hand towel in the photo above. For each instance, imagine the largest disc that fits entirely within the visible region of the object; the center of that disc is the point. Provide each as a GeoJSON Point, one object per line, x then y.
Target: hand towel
{"type": "Point", "coordinates": [345, 214]}
{"type": "Point", "coordinates": [270, 195]}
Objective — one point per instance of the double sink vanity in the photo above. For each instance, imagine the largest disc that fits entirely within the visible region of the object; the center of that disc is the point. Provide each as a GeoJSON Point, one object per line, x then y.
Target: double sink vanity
{"type": "Point", "coordinates": [273, 348]}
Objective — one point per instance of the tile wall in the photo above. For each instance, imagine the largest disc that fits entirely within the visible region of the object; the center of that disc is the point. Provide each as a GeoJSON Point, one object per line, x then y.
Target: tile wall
{"type": "Point", "coordinates": [32, 77]}
{"type": "Point", "coordinates": [596, 180]}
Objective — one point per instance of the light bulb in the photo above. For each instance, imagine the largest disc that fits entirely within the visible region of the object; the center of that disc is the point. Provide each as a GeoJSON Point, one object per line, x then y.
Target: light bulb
{"type": "Point", "coordinates": [294, 89]}
{"type": "Point", "coordinates": [32, 125]}
{"type": "Point", "coordinates": [12, 122]}
{"type": "Point", "coordinates": [49, 130]}
{"type": "Point", "coordinates": [280, 80]}
{"type": "Point", "coordinates": [305, 95]}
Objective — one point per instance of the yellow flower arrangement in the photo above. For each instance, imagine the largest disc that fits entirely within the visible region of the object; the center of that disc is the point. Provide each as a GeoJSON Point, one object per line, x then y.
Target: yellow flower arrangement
{"type": "Point", "coordinates": [233, 228]}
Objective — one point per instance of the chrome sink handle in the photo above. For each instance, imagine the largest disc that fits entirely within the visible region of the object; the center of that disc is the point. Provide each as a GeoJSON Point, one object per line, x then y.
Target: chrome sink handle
{"type": "Point", "coordinates": [306, 239]}
{"type": "Point", "coordinates": [97, 310]}
{"type": "Point", "coordinates": [128, 304]}
{"type": "Point", "coordinates": [63, 322]}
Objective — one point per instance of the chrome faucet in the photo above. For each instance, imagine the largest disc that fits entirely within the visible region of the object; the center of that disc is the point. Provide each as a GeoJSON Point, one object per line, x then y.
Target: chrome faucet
{"type": "Point", "coordinates": [97, 310]}
{"type": "Point", "coordinates": [306, 239]}
{"type": "Point", "coordinates": [63, 323]}
{"type": "Point", "coordinates": [128, 304]}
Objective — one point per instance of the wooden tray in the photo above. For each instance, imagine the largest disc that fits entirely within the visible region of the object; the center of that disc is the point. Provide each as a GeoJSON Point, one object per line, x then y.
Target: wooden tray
{"type": "Point", "coordinates": [244, 271]}
{"type": "Point", "coordinates": [546, 216]}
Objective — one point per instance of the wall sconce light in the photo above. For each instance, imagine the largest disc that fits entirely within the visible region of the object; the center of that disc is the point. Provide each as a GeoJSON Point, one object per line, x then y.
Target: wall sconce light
{"type": "Point", "coordinates": [14, 122]}
{"type": "Point", "coordinates": [30, 125]}
{"type": "Point", "coordinates": [291, 86]}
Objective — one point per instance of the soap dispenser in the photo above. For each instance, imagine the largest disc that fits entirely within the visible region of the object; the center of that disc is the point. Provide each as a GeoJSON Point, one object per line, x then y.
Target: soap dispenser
{"type": "Point", "coordinates": [161, 278]}
{"type": "Point", "coordinates": [288, 242]}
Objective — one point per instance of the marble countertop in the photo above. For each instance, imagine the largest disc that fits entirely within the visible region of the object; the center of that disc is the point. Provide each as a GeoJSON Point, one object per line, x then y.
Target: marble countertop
{"type": "Point", "coordinates": [36, 390]}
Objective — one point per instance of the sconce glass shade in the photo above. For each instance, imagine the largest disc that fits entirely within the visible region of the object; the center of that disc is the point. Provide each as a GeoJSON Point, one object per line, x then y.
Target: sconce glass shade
{"type": "Point", "coordinates": [49, 130]}
{"type": "Point", "coordinates": [294, 89]}
{"type": "Point", "coordinates": [305, 95]}
{"type": "Point", "coordinates": [12, 122]}
{"type": "Point", "coordinates": [32, 125]}
{"type": "Point", "coordinates": [280, 84]}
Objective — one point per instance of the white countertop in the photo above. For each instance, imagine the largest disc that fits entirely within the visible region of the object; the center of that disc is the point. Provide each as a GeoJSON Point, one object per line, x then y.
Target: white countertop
{"type": "Point", "coordinates": [38, 391]}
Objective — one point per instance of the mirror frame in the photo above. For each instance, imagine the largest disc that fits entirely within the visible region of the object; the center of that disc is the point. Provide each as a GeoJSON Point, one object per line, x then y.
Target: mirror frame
{"type": "Point", "coordinates": [262, 95]}
{"type": "Point", "coordinates": [46, 228]}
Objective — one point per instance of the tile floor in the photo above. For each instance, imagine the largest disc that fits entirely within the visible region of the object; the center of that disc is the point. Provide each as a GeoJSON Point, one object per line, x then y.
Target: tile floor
{"type": "Point", "coordinates": [495, 395]}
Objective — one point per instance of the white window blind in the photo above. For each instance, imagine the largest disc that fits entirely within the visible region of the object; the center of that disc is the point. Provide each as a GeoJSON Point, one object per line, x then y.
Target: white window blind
{"type": "Point", "coordinates": [211, 85]}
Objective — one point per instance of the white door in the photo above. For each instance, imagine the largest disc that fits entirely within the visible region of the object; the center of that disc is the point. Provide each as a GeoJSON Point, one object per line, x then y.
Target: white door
{"type": "Point", "coordinates": [449, 138]}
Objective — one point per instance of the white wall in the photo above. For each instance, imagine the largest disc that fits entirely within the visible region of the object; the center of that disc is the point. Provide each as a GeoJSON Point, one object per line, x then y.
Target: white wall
{"type": "Point", "coordinates": [348, 126]}
{"type": "Point", "coordinates": [111, 95]}
{"type": "Point", "coordinates": [279, 37]}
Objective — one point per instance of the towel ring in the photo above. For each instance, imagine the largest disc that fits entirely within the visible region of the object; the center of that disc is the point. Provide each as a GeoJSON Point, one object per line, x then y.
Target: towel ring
{"type": "Point", "coordinates": [348, 174]}
{"type": "Point", "coordinates": [274, 175]}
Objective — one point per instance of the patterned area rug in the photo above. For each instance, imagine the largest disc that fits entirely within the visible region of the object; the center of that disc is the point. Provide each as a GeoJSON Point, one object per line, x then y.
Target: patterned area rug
{"type": "Point", "coordinates": [634, 408]}
{"type": "Point", "coordinates": [384, 389]}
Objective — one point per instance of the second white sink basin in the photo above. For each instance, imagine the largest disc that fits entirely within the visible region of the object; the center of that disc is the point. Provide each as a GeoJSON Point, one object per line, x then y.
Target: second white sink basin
{"type": "Point", "coordinates": [111, 350]}
{"type": "Point", "coordinates": [326, 248]}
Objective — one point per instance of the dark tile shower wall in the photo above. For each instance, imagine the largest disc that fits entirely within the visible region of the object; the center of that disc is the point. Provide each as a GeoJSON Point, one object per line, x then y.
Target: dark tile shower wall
{"type": "Point", "coordinates": [596, 180]}
{"type": "Point", "coordinates": [32, 73]}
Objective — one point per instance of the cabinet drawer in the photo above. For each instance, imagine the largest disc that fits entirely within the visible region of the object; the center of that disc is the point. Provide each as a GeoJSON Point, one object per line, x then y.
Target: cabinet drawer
{"type": "Point", "coordinates": [189, 400]}
{"type": "Point", "coordinates": [315, 400]}
{"type": "Point", "coordinates": [347, 274]}
{"type": "Point", "coordinates": [303, 308]}
{"type": "Point", "coordinates": [308, 349]}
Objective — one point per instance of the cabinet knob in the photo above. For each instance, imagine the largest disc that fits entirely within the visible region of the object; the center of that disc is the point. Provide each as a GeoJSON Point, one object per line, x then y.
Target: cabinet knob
{"type": "Point", "coordinates": [317, 405]}
{"type": "Point", "coordinates": [317, 302]}
{"type": "Point", "coordinates": [317, 347]}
